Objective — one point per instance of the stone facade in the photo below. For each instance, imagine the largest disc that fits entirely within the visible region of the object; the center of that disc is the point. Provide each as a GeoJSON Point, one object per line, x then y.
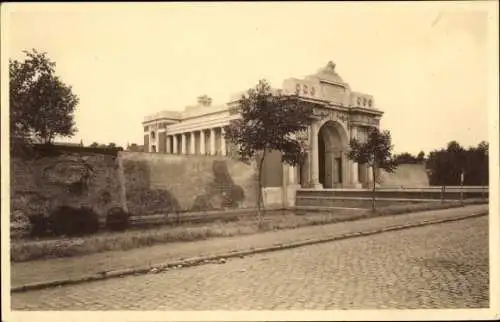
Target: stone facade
{"type": "Point", "coordinates": [342, 114]}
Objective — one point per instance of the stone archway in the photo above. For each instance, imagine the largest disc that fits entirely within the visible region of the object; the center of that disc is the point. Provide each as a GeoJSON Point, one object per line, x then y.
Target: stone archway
{"type": "Point", "coordinates": [332, 143]}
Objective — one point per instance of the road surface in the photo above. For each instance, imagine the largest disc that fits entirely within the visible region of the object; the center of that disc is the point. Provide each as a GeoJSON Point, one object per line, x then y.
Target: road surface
{"type": "Point", "coordinates": [436, 266]}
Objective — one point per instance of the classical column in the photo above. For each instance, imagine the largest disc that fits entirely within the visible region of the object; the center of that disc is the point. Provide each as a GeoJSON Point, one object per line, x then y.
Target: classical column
{"type": "Point", "coordinates": [212, 141]}
{"type": "Point", "coordinates": [202, 142]}
{"type": "Point", "coordinates": [370, 174]}
{"type": "Point", "coordinates": [174, 144]}
{"type": "Point", "coordinates": [354, 165]}
{"type": "Point", "coordinates": [192, 143]}
{"type": "Point", "coordinates": [314, 157]}
{"type": "Point", "coordinates": [292, 174]}
{"type": "Point", "coordinates": [222, 141]}
{"type": "Point", "coordinates": [169, 140]}
{"type": "Point", "coordinates": [305, 170]}
{"type": "Point", "coordinates": [331, 171]}
{"type": "Point", "coordinates": [354, 173]}
{"type": "Point", "coordinates": [183, 143]}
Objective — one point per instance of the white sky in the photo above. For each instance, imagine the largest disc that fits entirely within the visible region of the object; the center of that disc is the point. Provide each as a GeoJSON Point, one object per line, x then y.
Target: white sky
{"type": "Point", "coordinates": [425, 63]}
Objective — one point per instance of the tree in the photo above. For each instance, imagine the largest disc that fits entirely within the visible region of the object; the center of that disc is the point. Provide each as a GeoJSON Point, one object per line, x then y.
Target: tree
{"type": "Point", "coordinates": [269, 121]}
{"type": "Point", "coordinates": [457, 158]}
{"type": "Point", "coordinates": [94, 145]}
{"type": "Point", "coordinates": [375, 152]}
{"type": "Point", "coordinates": [438, 166]}
{"type": "Point", "coordinates": [421, 156]}
{"type": "Point", "coordinates": [111, 145]}
{"type": "Point", "coordinates": [41, 105]}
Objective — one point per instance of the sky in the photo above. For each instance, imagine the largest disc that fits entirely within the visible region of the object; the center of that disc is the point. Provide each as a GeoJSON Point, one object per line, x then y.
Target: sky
{"type": "Point", "coordinates": [426, 63]}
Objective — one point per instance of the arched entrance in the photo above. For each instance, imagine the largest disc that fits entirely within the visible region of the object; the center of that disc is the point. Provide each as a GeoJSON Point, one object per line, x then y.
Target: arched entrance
{"type": "Point", "coordinates": [332, 141]}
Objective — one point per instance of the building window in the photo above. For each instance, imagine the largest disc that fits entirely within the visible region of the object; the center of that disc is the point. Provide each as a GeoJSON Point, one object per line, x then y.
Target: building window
{"type": "Point", "coordinates": [306, 90]}
{"type": "Point", "coordinates": [369, 103]}
{"type": "Point", "coordinates": [364, 101]}
{"type": "Point", "coordinates": [152, 135]}
{"type": "Point", "coordinates": [297, 89]}
{"type": "Point", "coordinates": [359, 101]}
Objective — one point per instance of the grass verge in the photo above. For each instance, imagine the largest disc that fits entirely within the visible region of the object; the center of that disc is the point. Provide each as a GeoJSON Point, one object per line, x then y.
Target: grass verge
{"type": "Point", "coordinates": [27, 250]}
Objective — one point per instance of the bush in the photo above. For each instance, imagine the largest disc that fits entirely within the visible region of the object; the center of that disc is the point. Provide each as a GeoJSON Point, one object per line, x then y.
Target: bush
{"type": "Point", "coordinates": [39, 225]}
{"type": "Point", "coordinates": [71, 221]}
{"type": "Point", "coordinates": [117, 219]}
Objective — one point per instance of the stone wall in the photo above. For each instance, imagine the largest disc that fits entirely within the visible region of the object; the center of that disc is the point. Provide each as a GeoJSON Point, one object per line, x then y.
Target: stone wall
{"type": "Point", "coordinates": [405, 175]}
{"type": "Point", "coordinates": [41, 184]}
{"type": "Point", "coordinates": [272, 170]}
{"type": "Point", "coordinates": [142, 183]}
{"type": "Point", "coordinates": [163, 183]}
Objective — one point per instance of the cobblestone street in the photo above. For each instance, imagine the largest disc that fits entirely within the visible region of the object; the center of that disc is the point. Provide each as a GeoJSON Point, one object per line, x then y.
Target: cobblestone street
{"type": "Point", "coordinates": [436, 266]}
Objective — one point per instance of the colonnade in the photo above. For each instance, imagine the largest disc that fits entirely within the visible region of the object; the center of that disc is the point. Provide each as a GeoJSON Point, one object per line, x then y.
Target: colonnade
{"type": "Point", "coordinates": [202, 142]}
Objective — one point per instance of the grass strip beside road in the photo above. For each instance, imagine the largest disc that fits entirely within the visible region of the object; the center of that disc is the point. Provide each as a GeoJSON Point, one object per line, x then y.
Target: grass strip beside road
{"type": "Point", "coordinates": [101, 265]}
{"type": "Point", "coordinates": [41, 274]}
{"type": "Point", "coordinates": [29, 250]}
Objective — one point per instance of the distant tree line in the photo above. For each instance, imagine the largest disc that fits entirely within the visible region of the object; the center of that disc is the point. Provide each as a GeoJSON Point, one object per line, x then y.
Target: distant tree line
{"type": "Point", "coordinates": [408, 158]}
{"type": "Point", "coordinates": [134, 147]}
{"type": "Point", "coordinates": [445, 166]}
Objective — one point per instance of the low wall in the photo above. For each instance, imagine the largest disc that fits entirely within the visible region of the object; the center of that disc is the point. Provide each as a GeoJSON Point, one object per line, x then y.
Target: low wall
{"type": "Point", "coordinates": [451, 193]}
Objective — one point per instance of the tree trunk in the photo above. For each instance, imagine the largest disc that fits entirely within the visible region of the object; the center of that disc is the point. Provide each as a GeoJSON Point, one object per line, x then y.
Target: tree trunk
{"type": "Point", "coordinates": [373, 188]}
{"type": "Point", "coordinates": [259, 193]}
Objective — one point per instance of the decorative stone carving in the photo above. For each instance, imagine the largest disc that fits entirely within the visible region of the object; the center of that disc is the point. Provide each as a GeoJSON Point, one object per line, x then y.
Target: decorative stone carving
{"type": "Point", "coordinates": [204, 100]}
{"type": "Point", "coordinates": [337, 116]}
{"type": "Point", "coordinates": [331, 66]}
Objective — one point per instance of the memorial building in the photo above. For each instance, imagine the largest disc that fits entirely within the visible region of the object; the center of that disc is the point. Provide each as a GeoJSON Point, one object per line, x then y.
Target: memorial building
{"type": "Point", "coordinates": [344, 114]}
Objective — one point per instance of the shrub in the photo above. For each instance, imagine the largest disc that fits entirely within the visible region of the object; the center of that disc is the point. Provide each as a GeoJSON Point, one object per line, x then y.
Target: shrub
{"type": "Point", "coordinates": [39, 225]}
{"type": "Point", "coordinates": [117, 219]}
{"type": "Point", "coordinates": [71, 221]}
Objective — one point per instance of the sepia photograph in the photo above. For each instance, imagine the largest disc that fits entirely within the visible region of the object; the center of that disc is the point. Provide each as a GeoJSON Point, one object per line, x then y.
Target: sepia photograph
{"type": "Point", "coordinates": [245, 161]}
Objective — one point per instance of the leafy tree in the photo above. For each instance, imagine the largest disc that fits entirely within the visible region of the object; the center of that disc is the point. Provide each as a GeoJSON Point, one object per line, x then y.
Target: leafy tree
{"type": "Point", "coordinates": [375, 152]}
{"type": "Point", "coordinates": [446, 165]}
{"type": "Point", "coordinates": [439, 169]}
{"type": "Point", "coordinates": [94, 145]}
{"type": "Point", "coordinates": [421, 156]}
{"type": "Point", "coordinates": [457, 158]}
{"type": "Point", "coordinates": [111, 145]}
{"type": "Point", "coordinates": [41, 105]}
{"type": "Point", "coordinates": [269, 121]}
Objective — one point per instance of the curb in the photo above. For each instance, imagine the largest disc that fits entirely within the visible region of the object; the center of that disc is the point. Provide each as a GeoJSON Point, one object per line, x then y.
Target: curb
{"type": "Point", "coordinates": [222, 257]}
